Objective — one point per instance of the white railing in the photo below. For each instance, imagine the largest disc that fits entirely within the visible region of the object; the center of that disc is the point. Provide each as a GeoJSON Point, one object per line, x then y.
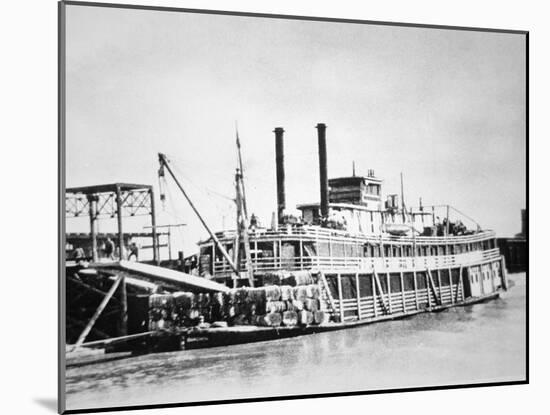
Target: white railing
{"type": "Point", "coordinates": [395, 264]}
{"type": "Point", "coordinates": [308, 232]}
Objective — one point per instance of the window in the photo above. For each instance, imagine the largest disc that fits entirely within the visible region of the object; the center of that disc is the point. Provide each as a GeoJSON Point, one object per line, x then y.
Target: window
{"type": "Point", "coordinates": [396, 251]}
{"type": "Point", "coordinates": [455, 275]}
{"type": "Point", "coordinates": [365, 285]}
{"type": "Point", "coordinates": [421, 280]}
{"type": "Point", "coordinates": [395, 282]}
{"type": "Point", "coordinates": [349, 289]}
{"type": "Point", "coordinates": [323, 248]}
{"type": "Point", "coordinates": [444, 276]}
{"type": "Point", "coordinates": [351, 250]}
{"type": "Point", "coordinates": [408, 281]}
{"type": "Point", "coordinates": [337, 249]}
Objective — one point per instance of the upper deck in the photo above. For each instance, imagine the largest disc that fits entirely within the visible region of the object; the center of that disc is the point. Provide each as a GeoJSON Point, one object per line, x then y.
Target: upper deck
{"type": "Point", "coordinates": [298, 247]}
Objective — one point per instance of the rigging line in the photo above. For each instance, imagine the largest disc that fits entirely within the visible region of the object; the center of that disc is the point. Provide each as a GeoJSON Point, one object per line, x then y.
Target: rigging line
{"type": "Point", "coordinates": [202, 189]}
{"type": "Point", "coordinates": [224, 175]}
{"type": "Point", "coordinates": [219, 207]}
{"type": "Point", "coordinates": [211, 169]}
{"type": "Point", "coordinates": [463, 214]}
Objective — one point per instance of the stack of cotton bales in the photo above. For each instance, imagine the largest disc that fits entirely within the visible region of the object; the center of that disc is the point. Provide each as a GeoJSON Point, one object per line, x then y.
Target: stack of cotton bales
{"type": "Point", "coordinates": [296, 301]}
{"type": "Point", "coordinates": [276, 305]}
{"type": "Point", "coordinates": [161, 311]}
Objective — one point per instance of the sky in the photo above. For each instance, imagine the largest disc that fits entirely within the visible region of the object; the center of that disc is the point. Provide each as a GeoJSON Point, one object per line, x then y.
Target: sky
{"type": "Point", "coordinates": [444, 107]}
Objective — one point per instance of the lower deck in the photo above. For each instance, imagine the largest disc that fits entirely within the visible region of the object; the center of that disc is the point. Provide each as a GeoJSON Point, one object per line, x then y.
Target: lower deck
{"type": "Point", "coordinates": [366, 295]}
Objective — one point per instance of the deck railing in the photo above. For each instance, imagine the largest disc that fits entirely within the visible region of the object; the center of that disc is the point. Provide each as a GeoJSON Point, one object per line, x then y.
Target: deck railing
{"type": "Point", "coordinates": [394, 264]}
{"type": "Point", "coordinates": [308, 232]}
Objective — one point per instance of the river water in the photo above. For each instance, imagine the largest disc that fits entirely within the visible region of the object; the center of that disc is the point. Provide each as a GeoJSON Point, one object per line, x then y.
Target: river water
{"type": "Point", "coordinates": [475, 344]}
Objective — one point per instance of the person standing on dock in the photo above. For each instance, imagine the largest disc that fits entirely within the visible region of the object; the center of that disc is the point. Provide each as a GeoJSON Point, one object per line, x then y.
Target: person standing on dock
{"type": "Point", "coordinates": [109, 248]}
{"type": "Point", "coordinates": [134, 250]}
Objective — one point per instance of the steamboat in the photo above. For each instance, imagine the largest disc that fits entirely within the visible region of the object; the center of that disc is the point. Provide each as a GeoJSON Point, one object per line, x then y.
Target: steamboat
{"type": "Point", "coordinates": [371, 259]}
{"type": "Point", "coordinates": [351, 259]}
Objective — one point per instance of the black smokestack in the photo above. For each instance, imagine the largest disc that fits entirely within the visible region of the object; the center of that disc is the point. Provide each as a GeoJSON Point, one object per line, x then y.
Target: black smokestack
{"type": "Point", "coordinates": [280, 165]}
{"type": "Point", "coordinates": [321, 134]}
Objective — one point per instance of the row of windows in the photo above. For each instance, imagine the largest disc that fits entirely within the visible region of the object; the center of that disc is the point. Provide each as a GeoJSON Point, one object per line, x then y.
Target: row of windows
{"type": "Point", "coordinates": [339, 249]}
{"type": "Point", "coordinates": [389, 251]}
{"type": "Point", "coordinates": [367, 284]}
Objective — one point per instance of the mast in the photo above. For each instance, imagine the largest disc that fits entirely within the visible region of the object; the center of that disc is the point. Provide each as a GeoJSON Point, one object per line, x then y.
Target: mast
{"type": "Point", "coordinates": [403, 210]}
{"type": "Point", "coordinates": [164, 163]}
{"type": "Point", "coordinates": [241, 170]}
{"type": "Point", "coordinates": [242, 227]}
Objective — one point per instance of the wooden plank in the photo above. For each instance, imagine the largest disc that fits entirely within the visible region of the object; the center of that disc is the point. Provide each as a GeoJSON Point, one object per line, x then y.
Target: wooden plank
{"type": "Point", "coordinates": [373, 283]}
{"type": "Point", "coordinates": [163, 275]}
{"type": "Point", "coordinates": [339, 278]}
{"type": "Point", "coordinates": [439, 284]}
{"type": "Point", "coordinates": [358, 295]}
{"type": "Point", "coordinates": [97, 313]}
{"type": "Point", "coordinates": [415, 290]}
{"type": "Point", "coordinates": [123, 308]}
{"type": "Point", "coordinates": [114, 340]}
{"type": "Point", "coordinates": [402, 291]}
{"type": "Point", "coordinates": [460, 286]}
{"type": "Point", "coordinates": [327, 290]}
{"type": "Point", "coordinates": [437, 299]}
{"type": "Point", "coordinates": [380, 291]}
{"type": "Point", "coordinates": [389, 292]}
{"type": "Point", "coordinates": [451, 284]}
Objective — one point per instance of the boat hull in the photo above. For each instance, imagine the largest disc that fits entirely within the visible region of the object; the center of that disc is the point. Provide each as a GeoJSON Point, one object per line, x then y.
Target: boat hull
{"type": "Point", "coordinates": [226, 336]}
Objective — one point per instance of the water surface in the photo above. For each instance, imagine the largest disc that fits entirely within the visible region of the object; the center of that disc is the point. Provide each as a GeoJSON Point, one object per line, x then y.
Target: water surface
{"type": "Point", "coordinates": [474, 344]}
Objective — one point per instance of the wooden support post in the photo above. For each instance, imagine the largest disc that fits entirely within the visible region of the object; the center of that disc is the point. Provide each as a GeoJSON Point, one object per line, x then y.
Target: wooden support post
{"type": "Point", "coordinates": [439, 284]}
{"type": "Point", "coordinates": [275, 263]}
{"type": "Point", "coordinates": [402, 292]}
{"type": "Point", "coordinates": [301, 253]}
{"type": "Point", "coordinates": [119, 223]}
{"type": "Point", "coordinates": [156, 253]}
{"type": "Point", "coordinates": [437, 299]}
{"type": "Point", "coordinates": [327, 290]}
{"type": "Point", "coordinates": [380, 291]}
{"type": "Point", "coordinates": [358, 295]}
{"type": "Point", "coordinates": [341, 300]}
{"type": "Point", "coordinates": [92, 204]}
{"type": "Point", "coordinates": [388, 285]}
{"type": "Point", "coordinates": [428, 290]}
{"type": "Point", "coordinates": [451, 284]}
{"type": "Point", "coordinates": [213, 260]}
{"type": "Point", "coordinates": [330, 252]}
{"type": "Point", "coordinates": [415, 291]}
{"type": "Point", "coordinates": [97, 313]}
{"type": "Point", "coordinates": [374, 300]}
{"type": "Point", "coordinates": [459, 286]}
{"type": "Point", "coordinates": [280, 248]}
{"type": "Point", "coordinates": [123, 307]}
